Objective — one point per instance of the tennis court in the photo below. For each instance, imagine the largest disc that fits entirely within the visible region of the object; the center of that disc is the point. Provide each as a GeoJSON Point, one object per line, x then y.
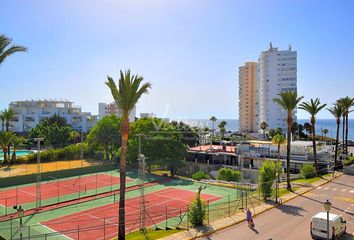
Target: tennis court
{"type": "Point", "coordinates": [56, 188]}
{"type": "Point", "coordinates": [101, 222]}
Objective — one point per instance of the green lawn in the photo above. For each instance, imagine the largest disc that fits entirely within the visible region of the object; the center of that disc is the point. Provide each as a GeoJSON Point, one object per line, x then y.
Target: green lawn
{"type": "Point", "coordinates": [150, 234]}
{"type": "Point", "coordinates": [311, 180]}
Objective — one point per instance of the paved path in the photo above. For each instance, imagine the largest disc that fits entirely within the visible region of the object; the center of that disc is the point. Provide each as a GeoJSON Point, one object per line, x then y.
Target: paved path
{"type": "Point", "coordinates": [292, 219]}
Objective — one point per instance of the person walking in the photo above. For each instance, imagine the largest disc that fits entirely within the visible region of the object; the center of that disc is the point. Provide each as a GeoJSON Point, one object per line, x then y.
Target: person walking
{"type": "Point", "coordinates": [249, 218]}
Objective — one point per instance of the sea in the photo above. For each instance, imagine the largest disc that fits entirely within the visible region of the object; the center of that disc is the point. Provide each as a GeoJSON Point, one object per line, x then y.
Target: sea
{"type": "Point", "coordinates": [232, 125]}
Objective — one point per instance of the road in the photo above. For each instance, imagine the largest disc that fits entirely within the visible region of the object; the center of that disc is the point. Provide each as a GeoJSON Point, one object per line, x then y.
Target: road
{"type": "Point", "coordinates": [292, 219]}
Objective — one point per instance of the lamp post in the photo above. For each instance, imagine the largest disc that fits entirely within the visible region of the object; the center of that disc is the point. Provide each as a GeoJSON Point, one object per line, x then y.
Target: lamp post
{"type": "Point", "coordinates": [21, 213]}
{"type": "Point", "coordinates": [327, 206]}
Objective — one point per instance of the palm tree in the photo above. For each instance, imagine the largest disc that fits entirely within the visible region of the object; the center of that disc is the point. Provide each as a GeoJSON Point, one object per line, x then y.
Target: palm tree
{"type": "Point", "coordinates": [313, 107]}
{"type": "Point", "coordinates": [325, 131]}
{"type": "Point", "coordinates": [6, 49]}
{"type": "Point", "coordinates": [213, 119]}
{"type": "Point", "coordinates": [264, 126]}
{"type": "Point", "coordinates": [2, 119]}
{"type": "Point", "coordinates": [307, 127]}
{"type": "Point", "coordinates": [337, 111]}
{"type": "Point", "coordinates": [278, 139]}
{"type": "Point", "coordinates": [126, 95]}
{"type": "Point", "coordinates": [5, 140]}
{"type": "Point", "coordinates": [8, 116]}
{"type": "Point", "coordinates": [222, 125]}
{"type": "Point", "coordinates": [288, 101]}
{"type": "Point", "coordinates": [347, 103]}
{"type": "Point", "coordinates": [16, 143]}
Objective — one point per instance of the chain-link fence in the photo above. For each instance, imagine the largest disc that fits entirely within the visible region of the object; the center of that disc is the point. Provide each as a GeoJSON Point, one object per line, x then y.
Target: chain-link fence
{"type": "Point", "coordinates": [156, 216]}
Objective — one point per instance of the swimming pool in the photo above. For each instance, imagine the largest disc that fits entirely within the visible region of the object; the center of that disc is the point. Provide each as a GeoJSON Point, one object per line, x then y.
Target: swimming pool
{"type": "Point", "coordinates": [18, 153]}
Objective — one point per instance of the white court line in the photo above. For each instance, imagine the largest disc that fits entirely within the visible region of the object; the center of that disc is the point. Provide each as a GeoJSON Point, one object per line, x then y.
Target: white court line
{"type": "Point", "coordinates": [351, 191]}
{"type": "Point", "coordinates": [343, 190]}
{"type": "Point", "coordinates": [52, 230]}
{"type": "Point", "coordinates": [318, 187]}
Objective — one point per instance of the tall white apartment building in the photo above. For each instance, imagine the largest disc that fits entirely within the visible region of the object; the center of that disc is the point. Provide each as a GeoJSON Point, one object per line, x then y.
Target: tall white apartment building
{"type": "Point", "coordinates": [105, 109]}
{"type": "Point", "coordinates": [276, 73]}
{"type": "Point", "coordinates": [29, 113]}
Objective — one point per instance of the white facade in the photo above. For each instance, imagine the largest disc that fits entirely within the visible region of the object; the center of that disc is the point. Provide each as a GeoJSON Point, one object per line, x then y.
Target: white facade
{"type": "Point", "coordinates": [277, 74]}
{"type": "Point", "coordinates": [147, 115]}
{"type": "Point", "coordinates": [105, 109]}
{"type": "Point", "coordinates": [30, 113]}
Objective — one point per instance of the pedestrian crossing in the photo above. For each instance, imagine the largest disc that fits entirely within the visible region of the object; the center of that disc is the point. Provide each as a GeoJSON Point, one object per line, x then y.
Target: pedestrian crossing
{"type": "Point", "coordinates": [344, 190]}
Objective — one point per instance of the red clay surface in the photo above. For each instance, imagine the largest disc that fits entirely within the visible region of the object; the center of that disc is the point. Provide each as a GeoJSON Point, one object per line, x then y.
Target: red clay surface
{"type": "Point", "coordinates": [12, 197]}
{"type": "Point", "coordinates": [101, 222]}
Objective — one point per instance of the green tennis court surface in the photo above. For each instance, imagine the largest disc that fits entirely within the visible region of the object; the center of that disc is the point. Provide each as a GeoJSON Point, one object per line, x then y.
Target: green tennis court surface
{"type": "Point", "coordinates": [41, 224]}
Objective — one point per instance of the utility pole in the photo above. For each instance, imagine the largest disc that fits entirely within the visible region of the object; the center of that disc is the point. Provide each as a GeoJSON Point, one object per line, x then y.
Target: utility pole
{"type": "Point", "coordinates": [38, 182]}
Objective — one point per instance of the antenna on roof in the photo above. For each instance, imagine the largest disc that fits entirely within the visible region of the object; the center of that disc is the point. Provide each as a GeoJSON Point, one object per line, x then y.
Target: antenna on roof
{"type": "Point", "coordinates": [270, 45]}
{"type": "Point", "coordinates": [289, 47]}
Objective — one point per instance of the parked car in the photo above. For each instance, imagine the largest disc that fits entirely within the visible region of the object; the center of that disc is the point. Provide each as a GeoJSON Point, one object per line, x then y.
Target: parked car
{"type": "Point", "coordinates": [318, 228]}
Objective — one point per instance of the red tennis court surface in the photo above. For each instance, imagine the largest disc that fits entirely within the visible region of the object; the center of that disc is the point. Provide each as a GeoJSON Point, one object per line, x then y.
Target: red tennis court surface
{"type": "Point", "coordinates": [101, 222]}
{"type": "Point", "coordinates": [27, 194]}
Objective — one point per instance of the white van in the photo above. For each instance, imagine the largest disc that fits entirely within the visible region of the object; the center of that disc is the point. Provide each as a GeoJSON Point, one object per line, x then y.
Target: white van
{"type": "Point", "coordinates": [337, 226]}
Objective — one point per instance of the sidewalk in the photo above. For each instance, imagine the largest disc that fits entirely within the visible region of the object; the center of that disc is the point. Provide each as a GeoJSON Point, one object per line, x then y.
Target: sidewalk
{"type": "Point", "coordinates": [240, 217]}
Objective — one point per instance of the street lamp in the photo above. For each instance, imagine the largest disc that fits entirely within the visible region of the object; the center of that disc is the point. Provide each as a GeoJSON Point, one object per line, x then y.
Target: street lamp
{"type": "Point", "coordinates": [21, 213]}
{"type": "Point", "coordinates": [327, 206]}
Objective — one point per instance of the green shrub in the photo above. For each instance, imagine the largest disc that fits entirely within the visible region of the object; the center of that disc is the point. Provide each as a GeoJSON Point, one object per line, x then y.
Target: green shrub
{"type": "Point", "coordinates": [308, 171]}
{"type": "Point", "coordinates": [197, 211]}
{"type": "Point", "coordinates": [349, 160]}
{"type": "Point", "coordinates": [267, 175]}
{"type": "Point", "coordinates": [228, 175]}
{"type": "Point", "coordinates": [199, 176]}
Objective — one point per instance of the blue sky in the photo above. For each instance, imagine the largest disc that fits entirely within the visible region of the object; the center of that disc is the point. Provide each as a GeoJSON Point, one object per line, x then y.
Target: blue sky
{"type": "Point", "coordinates": [189, 50]}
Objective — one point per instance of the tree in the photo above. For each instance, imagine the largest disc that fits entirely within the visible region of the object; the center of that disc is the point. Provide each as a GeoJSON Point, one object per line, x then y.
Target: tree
{"type": "Point", "coordinates": [188, 136]}
{"type": "Point", "coordinates": [294, 129]}
{"type": "Point", "coordinates": [267, 175]}
{"type": "Point", "coordinates": [213, 120]}
{"type": "Point", "coordinates": [288, 101]}
{"type": "Point", "coordinates": [74, 135]}
{"type": "Point", "coordinates": [278, 139]}
{"type": "Point", "coordinates": [54, 130]}
{"type": "Point", "coordinates": [6, 49]}
{"type": "Point", "coordinates": [227, 174]}
{"type": "Point", "coordinates": [5, 140]}
{"type": "Point", "coordinates": [308, 128]}
{"type": "Point", "coordinates": [106, 134]}
{"type": "Point", "coordinates": [8, 116]}
{"type": "Point", "coordinates": [347, 103]}
{"type": "Point", "coordinates": [126, 96]}
{"type": "Point", "coordinates": [16, 143]}
{"type": "Point", "coordinates": [313, 107]}
{"type": "Point", "coordinates": [2, 119]}
{"type": "Point", "coordinates": [337, 111]}
{"type": "Point", "coordinates": [161, 143]}
{"type": "Point", "coordinates": [325, 132]}
{"type": "Point", "coordinates": [197, 210]}
{"type": "Point", "coordinates": [264, 126]}
{"type": "Point", "coordinates": [222, 125]}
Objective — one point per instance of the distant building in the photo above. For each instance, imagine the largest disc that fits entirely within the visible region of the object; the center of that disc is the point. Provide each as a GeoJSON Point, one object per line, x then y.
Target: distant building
{"type": "Point", "coordinates": [106, 109]}
{"type": "Point", "coordinates": [260, 83]}
{"type": "Point", "coordinates": [247, 97]}
{"type": "Point", "coordinates": [29, 113]}
{"type": "Point", "coordinates": [147, 115]}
